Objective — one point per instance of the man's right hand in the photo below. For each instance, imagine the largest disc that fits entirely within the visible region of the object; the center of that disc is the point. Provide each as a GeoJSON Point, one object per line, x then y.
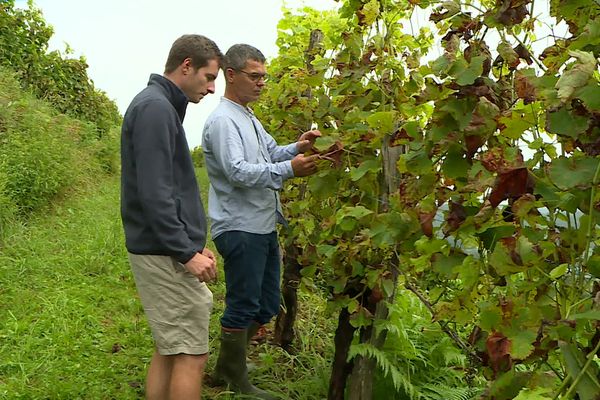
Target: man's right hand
{"type": "Point", "coordinates": [202, 267]}
{"type": "Point", "coordinates": [303, 165]}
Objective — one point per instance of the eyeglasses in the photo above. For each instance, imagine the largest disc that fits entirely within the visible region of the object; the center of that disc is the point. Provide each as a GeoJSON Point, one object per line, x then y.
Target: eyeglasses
{"type": "Point", "coordinates": [255, 76]}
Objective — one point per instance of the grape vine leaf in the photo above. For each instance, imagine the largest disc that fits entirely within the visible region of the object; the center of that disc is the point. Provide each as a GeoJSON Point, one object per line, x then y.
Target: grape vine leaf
{"type": "Point", "coordinates": [577, 76]}
{"type": "Point", "coordinates": [565, 123]}
{"type": "Point", "coordinates": [569, 173]}
{"type": "Point", "coordinates": [466, 73]}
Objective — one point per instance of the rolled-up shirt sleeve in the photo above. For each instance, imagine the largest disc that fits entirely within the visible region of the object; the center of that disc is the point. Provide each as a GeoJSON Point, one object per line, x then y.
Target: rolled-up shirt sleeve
{"type": "Point", "coordinates": [227, 147]}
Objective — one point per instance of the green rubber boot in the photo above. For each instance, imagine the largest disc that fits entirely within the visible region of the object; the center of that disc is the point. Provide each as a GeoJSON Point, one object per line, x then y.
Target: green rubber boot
{"type": "Point", "coordinates": [231, 364]}
{"type": "Point", "coordinates": [252, 329]}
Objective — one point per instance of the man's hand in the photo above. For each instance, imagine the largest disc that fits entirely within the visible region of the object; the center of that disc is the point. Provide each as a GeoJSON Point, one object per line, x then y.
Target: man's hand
{"type": "Point", "coordinates": [202, 266]}
{"type": "Point", "coordinates": [307, 140]}
{"type": "Point", "coordinates": [304, 166]}
{"type": "Point", "coordinates": [208, 253]}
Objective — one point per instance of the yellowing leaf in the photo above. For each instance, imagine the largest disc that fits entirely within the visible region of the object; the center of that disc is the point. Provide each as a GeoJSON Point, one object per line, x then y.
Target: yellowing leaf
{"type": "Point", "coordinates": [577, 76]}
{"type": "Point", "coordinates": [370, 12]}
{"type": "Point", "coordinates": [559, 271]}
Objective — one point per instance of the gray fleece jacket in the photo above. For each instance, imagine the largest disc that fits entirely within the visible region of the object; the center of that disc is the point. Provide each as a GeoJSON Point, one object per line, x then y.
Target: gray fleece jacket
{"type": "Point", "coordinates": [161, 209]}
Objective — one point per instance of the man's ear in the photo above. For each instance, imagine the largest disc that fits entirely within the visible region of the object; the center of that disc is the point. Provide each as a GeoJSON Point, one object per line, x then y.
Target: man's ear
{"type": "Point", "coordinates": [229, 74]}
{"type": "Point", "coordinates": [186, 66]}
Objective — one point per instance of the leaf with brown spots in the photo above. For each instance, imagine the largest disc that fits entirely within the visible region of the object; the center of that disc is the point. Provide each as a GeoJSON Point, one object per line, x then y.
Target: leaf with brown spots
{"type": "Point", "coordinates": [524, 88]}
{"type": "Point", "coordinates": [498, 349]}
{"type": "Point", "coordinates": [426, 220]}
{"type": "Point", "coordinates": [511, 184]}
{"type": "Point", "coordinates": [455, 217]}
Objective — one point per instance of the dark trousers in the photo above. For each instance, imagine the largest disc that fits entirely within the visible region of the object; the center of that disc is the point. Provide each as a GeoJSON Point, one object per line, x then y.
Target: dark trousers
{"type": "Point", "coordinates": [252, 268]}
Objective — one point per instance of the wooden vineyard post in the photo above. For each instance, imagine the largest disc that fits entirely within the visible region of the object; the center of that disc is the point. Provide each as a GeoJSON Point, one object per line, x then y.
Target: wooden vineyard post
{"type": "Point", "coordinates": [361, 384]}
{"type": "Point", "coordinates": [284, 324]}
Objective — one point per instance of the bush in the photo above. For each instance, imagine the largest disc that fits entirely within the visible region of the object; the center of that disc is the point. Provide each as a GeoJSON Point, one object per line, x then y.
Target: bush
{"type": "Point", "coordinates": [198, 157]}
{"type": "Point", "coordinates": [63, 82]}
{"type": "Point", "coordinates": [42, 152]}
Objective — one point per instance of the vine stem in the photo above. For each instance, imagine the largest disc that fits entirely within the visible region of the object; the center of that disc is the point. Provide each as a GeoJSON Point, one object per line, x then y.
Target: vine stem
{"type": "Point", "coordinates": [590, 358]}
{"type": "Point", "coordinates": [586, 256]}
{"type": "Point", "coordinates": [453, 335]}
{"type": "Point", "coordinates": [539, 64]}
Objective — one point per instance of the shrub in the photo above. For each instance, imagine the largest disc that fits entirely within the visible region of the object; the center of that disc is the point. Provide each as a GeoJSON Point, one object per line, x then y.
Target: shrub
{"type": "Point", "coordinates": [42, 152]}
{"type": "Point", "coordinates": [198, 157]}
{"type": "Point", "coordinates": [63, 82]}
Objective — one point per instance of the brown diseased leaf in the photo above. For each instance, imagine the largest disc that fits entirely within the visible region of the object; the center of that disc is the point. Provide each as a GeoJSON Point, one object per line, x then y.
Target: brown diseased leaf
{"type": "Point", "coordinates": [473, 143]}
{"type": "Point", "coordinates": [426, 220]}
{"type": "Point", "coordinates": [523, 53]}
{"type": "Point", "coordinates": [510, 243]}
{"type": "Point", "coordinates": [494, 160]}
{"type": "Point", "coordinates": [511, 12]}
{"type": "Point", "coordinates": [525, 89]}
{"type": "Point", "coordinates": [511, 184]}
{"type": "Point", "coordinates": [456, 217]}
{"type": "Point", "coordinates": [333, 153]}
{"type": "Point", "coordinates": [498, 349]}
{"type": "Point", "coordinates": [399, 135]}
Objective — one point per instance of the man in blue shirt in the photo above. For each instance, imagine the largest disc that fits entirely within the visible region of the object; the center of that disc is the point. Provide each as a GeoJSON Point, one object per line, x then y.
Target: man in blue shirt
{"type": "Point", "coordinates": [247, 168]}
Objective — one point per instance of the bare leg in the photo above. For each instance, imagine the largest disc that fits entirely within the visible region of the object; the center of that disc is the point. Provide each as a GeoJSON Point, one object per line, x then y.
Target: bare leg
{"type": "Point", "coordinates": [158, 379]}
{"type": "Point", "coordinates": [186, 376]}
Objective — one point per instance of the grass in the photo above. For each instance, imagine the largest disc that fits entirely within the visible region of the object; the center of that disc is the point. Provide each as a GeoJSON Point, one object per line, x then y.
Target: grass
{"type": "Point", "coordinates": [72, 327]}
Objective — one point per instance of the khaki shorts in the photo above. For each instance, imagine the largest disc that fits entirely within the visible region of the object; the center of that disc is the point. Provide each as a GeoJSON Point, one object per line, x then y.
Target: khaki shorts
{"type": "Point", "coordinates": [176, 303]}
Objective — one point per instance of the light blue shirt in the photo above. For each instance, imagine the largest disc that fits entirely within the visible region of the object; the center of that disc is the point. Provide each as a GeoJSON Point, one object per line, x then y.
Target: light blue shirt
{"type": "Point", "coordinates": [246, 168]}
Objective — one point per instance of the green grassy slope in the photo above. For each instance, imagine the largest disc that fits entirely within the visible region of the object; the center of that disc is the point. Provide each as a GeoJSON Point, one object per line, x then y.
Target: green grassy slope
{"type": "Point", "coordinates": [71, 326]}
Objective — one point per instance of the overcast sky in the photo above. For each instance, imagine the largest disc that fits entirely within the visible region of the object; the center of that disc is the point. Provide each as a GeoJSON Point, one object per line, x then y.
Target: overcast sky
{"type": "Point", "coordinates": [124, 41]}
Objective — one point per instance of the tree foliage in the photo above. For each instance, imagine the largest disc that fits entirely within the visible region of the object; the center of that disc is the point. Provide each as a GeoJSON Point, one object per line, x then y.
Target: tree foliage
{"type": "Point", "coordinates": [495, 215]}
{"type": "Point", "coordinates": [62, 81]}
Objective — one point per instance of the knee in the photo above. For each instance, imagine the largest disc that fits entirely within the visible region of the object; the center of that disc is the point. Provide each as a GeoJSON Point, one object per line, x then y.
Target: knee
{"type": "Point", "coordinates": [192, 361]}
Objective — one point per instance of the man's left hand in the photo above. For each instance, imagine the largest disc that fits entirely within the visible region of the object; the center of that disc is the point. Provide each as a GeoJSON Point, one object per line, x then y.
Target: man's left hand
{"type": "Point", "coordinates": [307, 140]}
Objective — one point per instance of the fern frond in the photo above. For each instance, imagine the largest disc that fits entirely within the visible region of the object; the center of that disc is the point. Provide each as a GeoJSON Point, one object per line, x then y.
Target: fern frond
{"type": "Point", "coordinates": [443, 392]}
{"type": "Point", "coordinates": [400, 381]}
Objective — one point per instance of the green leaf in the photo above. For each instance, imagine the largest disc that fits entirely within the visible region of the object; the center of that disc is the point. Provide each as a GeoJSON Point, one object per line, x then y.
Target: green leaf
{"type": "Point", "coordinates": [456, 164]}
{"type": "Point", "coordinates": [388, 287]}
{"type": "Point", "coordinates": [383, 121]}
{"type": "Point", "coordinates": [535, 394]}
{"type": "Point", "coordinates": [509, 384]}
{"type": "Point", "coordinates": [461, 111]}
{"type": "Point", "coordinates": [324, 142]}
{"type": "Point", "coordinates": [521, 345]}
{"type": "Point", "coordinates": [593, 315]}
{"type": "Point", "coordinates": [466, 73]}
{"type": "Point", "coordinates": [352, 306]}
{"type": "Point", "coordinates": [445, 264]}
{"type": "Point", "coordinates": [490, 316]}
{"type": "Point", "coordinates": [363, 168]}
{"type": "Point", "coordinates": [559, 271]}
{"type": "Point", "coordinates": [416, 162]}
{"type": "Point", "coordinates": [588, 386]}
{"type": "Point", "coordinates": [569, 173]}
{"type": "Point", "coordinates": [565, 123]}
{"type": "Point", "coordinates": [326, 250]}
{"type": "Point", "coordinates": [507, 52]}
{"type": "Point", "coordinates": [515, 126]}
{"type": "Point", "coordinates": [490, 236]}
{"type": "Point", "coordinates": [593, 265]}
{"type": "Point", "coordinates": [590, 95]}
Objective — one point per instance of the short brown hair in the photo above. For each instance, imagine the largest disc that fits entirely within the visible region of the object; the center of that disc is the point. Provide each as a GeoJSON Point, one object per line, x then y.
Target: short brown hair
{"type": "Point", "coordinates": [198, 48]}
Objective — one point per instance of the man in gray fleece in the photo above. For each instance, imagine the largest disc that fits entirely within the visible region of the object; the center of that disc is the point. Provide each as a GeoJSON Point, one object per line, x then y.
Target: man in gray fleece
{"type": "Point", "coordinates": [164, 220]}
